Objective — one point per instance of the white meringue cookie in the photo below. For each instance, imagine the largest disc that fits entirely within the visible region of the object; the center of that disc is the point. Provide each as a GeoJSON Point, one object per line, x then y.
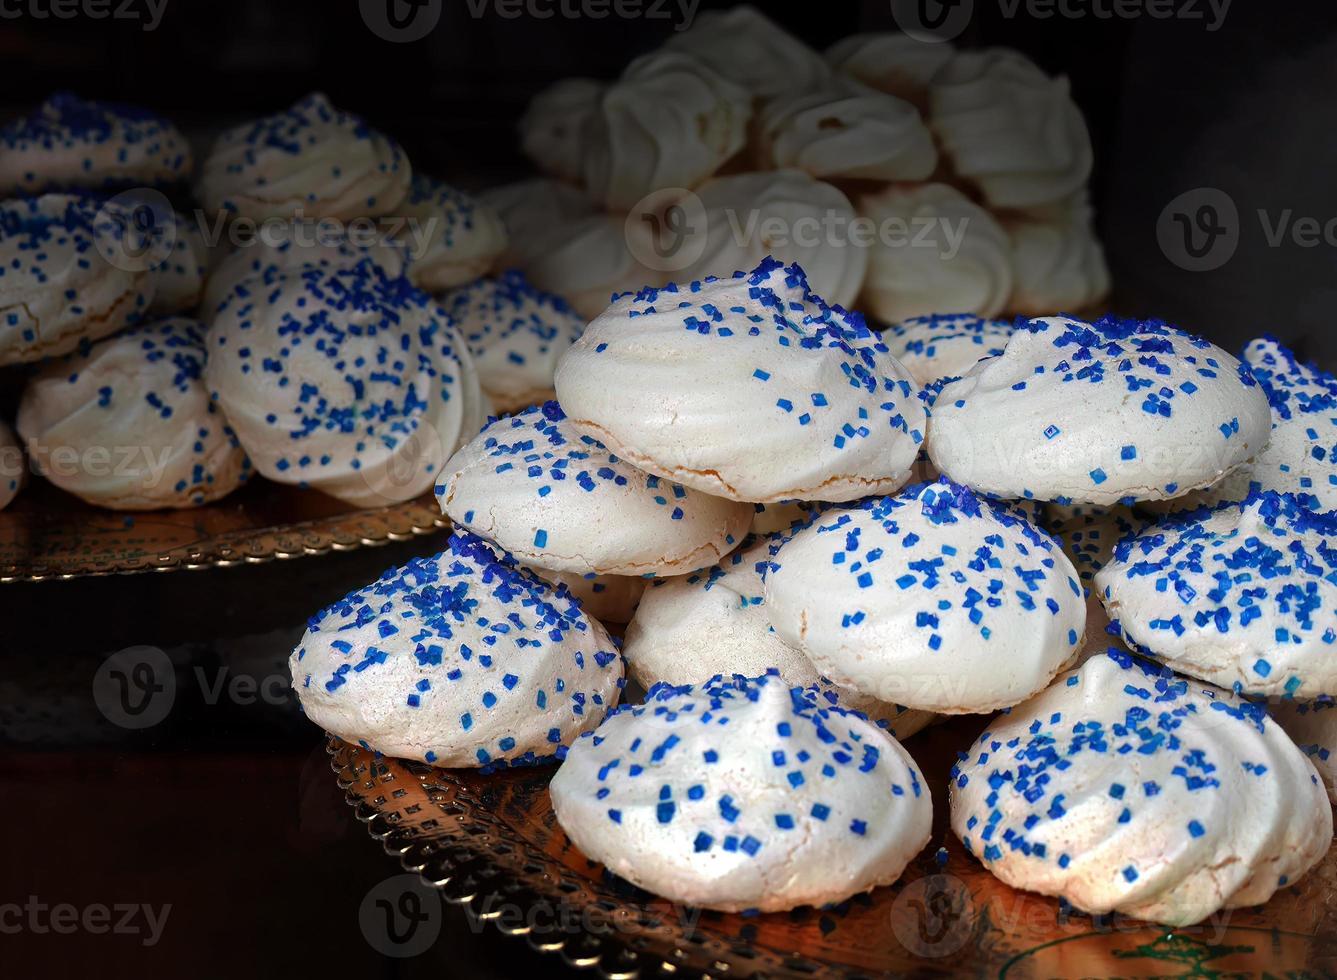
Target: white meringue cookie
{"type": "Point", "coordinates": [891, 62]}
{"type": "Point", "coordinates": [343, 380]}
{"type": "Point", "coordinates": [463, 238]}
{"type": "Point", "coordinates": [750, 49]}
{"type": "Point", "coordinates": [557, 499]}
{"type": "Point", "coordinates": [1103, 412]}
{"type": "Point", "coordinates": [71, 142]}
{"type": "Point", "coordinates": [590, 260]}
{"type": "Point", "coordinates": [418, 664]}
{"type": "Point", "coordinates": [845, 131]}
{"type": "Point", "coordinates": [516, 334]}
{"type": "Point", "coordinates": [178, 280]}
{"type": "Point", "coordinates": [292, 246]}
{"type": "Point", "coordinates": [669, 121]}
{"type": "Point", "coordinates": [934, 599]}
{"type": "Point", "coordinates": [782, 516]}
{"type": "Point", "coordinates": [1243, 595]}
{"type": "Point", "coordinates": [62, 280]}
{"type": "Point", "coordinates": [534, 212]}
{"type": "Point", "coordinates": [129, 424]}
{"type": "Point", "coordinates": [1313, 728]}
{"type": "Point", "coordinates": [1088, 540]}
{"type": "Point", "coordinates": [1126, 789]}
{"type": "Point", "coordinates": [1058, 262]}
{"type": "Point", "coordinates": [934, 251]}
{"type": "Point", "coordinates": [749, 388]}
{"type": "Point", "coordinates": [13, 466]}
{"type": "Point", "coordinates": [786, 214]}
{"type": "Point", "coordinates": [310, 160]}
{"type": "Point", "coordinates": [551, 130]}
{"type": "Point", "coordinates": [945, 345]}
{"type": "Point", "coordinates": [608, 598]}
{"type": "Point", "coordinates": [1010, 129]}
{"type": "Point", "coordinates": [793, 803]}
{"type": "Point", "coordinates": [690, 628]}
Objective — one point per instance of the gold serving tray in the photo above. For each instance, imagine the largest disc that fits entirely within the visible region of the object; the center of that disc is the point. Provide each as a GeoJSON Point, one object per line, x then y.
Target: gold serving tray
{"type": "Point", "coordinates": [49, 534]}
{"type": "Point", "coordinates": [491, 844]}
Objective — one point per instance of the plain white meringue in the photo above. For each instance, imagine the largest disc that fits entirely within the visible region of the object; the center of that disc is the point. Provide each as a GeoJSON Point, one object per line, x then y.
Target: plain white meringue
{"type": "Point", "coordinates": [589, 260]}
{"type": "Point", "coordinates": [891, 62]}
{"type": "Point", "coordinates": [750, 49]}
{"type": "Point", "coordinates": [552, 127]}
{"type": "Point", "coordinates": [533, 212]}
{"type": "Point", "coordinates": [1058, 262]}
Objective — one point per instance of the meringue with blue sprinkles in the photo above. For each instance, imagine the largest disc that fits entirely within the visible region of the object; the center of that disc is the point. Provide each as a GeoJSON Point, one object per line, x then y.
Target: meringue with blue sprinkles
{"type": "Point", "coordinates": [13, 466]}
{"type": "Point", "coordinates": [748, 387]}
{"type": "Point", "coordinates": [1243, 595]}
{"type": "Point", "coordinates": [1124, 788]}
{"type": "Point", "coordinates": [946, 345]}
{"type": "Point", "coordinates": [1312, 725]}
{"type": "Point", "coordinates": [936, 599]}
{"type": "Point", "coordinates": [743, 795]}
{"type": "Point", "coordinates": [72, 143]}
{"type": "Point", "coordinates": [451, 239]}
{"type": "Point", "coordinates": [688, 628]}
{"type": "Point", "coordinates": [343, 380]}
{"type": "Point", "coordinates": [463, 659]}
{"type": "Point", "coordinates": [1112, 411]}
{"type": "Point", "coordinates": [557, 499]}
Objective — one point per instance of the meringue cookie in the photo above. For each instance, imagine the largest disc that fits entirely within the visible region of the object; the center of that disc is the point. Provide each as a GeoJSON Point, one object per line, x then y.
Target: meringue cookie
{"type": "Point", "coordinates": [13, 466]}
{"type": "Point", "coordinates": [516, 334]}
{"type": "Point", "coordinates": [292, 247]}
{"type": "Point", "coordinates": [783, 516]}
{"type": "Point", "coordinates": [1058, 262]}
{"type": "Point", "coordinates": [749, 388]}
{"type": "Point", "coordinates": [608, 598]}
{"type": "Point", "coordinates": [845, 131]}
{"type": "Point", "coordinates": [934, 599]}
{"type": "Point", "coordinates": [934, 251]}
{"type": "Point", "coordinates": [590, 260]}
{"type": "Point", "coordinates": [945, 345]}
{"type": "Point", "coordinates": [310, 160]}
{"type": "Point", "coordinates": [552, 126]}
{"type": "Point", "coordinates": [751, 50]}
{"type": "Point", "coordinates": [178, 280]}
{"type": "Point", "coordinates": [463, 238]}
{"type": "Point", "coordinates": [534, 212]}
{"type": "Point", "coordinates": [128, 424]}
{"type": "Point", "coordinates": [1243, 595]}
{"type": "Point", "coordinates": [343, 380]}
{"type": "Point", "coordinates": [556, 499]}
{"type": "Point", "coordinates": [891, 62]}
{"type": "Point", "coordinates": [1125, 789]}
{"type": "Point", "coordinates": [1313, 728]}
{"type": "Point", "coordinates": [794, 803]}
{"type": "Point", "coordinates": [1103, 412]}
{"type": "Point", "coordinates": [61, 278]}
{"type": "Point", "coordinates": [417, 664]}
{"type": "Point", "coordinates": [1088, 540]}
{"type": "Point", "coordinates": [669, 121]}
{"type": "Point", "coordinates": [690, 628]}
{"type": "Point", "coordinates": [1301, 455]}
{"type": "Point", "coordinates": [743, 213]}
{"type": "Point", "coordinates": [71, 142]}
{"type": "Point", "coordinates": [1009, 129]}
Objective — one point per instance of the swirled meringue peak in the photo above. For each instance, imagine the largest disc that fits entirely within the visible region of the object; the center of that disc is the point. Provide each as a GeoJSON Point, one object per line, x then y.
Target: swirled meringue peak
{"type": "Point", "coordinates": [71, 143]}
{"type": "Point", "coordinates": [743, 794]}
{"type": "Point", "coordinates": [311, 159]}
{"type": "Point", "coordinates": [891, 62]}
{"type": "Point", "coordinates": [1057, 259]}
{"type": "Point", "coordinates": [1313, 726]}
{"type": "Point", "coordinates": [461, 659]}
{"type": "Point", "coordinates": [935, 599]}
{"type": "Point", "coordinates": [669, 121]}
{"type": "Point", "coordinates": [1010, 129]}
{"type": "Point", "coordinates": [749, 388]}
{"type": "Point", "coordinates": [553, 123]}
{"type": "Point", "coordinates": [1243, 595]}
{"type": "Point", "coordinates": [946, 345]}
{"type": "Point", "coordinates": [343, 380]}
{"type": "Point", "coordinates": [1099, 413]}
{"type": "Point", "coordinates": [1123, 788]}
{"type": "Point", "coordinates": [557, 499]}
{"type": "Point", "coordinates": [751, 50]}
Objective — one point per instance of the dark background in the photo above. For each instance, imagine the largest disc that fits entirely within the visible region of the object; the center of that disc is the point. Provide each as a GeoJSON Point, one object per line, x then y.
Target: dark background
{"type": "Point", "coordinates": [227, 811]}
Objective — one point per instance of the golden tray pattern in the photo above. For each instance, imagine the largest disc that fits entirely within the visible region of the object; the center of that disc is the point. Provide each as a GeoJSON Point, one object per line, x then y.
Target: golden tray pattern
{"type": "Point", "coordinates": [491, 844]}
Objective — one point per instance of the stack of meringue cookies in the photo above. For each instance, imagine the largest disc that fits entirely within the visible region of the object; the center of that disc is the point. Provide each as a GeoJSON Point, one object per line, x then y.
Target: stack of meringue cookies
{"type": "Point", "coordinates": [820, 538]}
